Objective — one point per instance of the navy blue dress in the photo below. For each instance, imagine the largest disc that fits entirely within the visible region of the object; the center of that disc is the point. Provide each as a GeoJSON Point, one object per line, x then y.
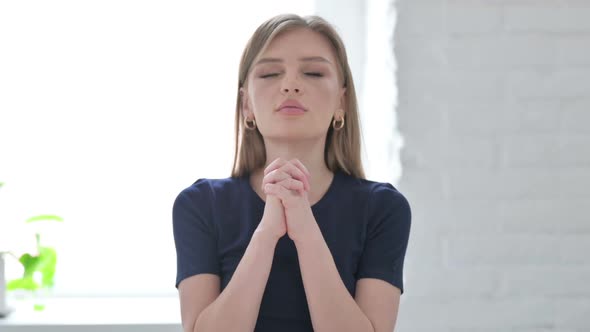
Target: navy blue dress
{"type": "Point", "coordinates": [365, 224]}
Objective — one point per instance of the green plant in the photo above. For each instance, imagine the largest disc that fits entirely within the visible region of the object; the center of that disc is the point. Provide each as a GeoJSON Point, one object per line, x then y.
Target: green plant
{"type": "Point", "coordinates": [39, 268]}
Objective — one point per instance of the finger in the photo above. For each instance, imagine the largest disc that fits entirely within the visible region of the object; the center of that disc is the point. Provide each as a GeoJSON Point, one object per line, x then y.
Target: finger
{"type": "Point", "coordinates": [302, 167]}
{"type": "Point", "coordinates": [276, 190]}
{"type": "Point", "coordinates": [274, 177]}
{"type": "Point", "coordinates": [277, 163]}
{"type": "Point", "coordinates": [296, 173]}
{"type": "Point", "coordinates": [290, 185]}
{"type": "Point", "coordinates": [293, 184]}
{"type": "Point", "coordinates": [299, 164]}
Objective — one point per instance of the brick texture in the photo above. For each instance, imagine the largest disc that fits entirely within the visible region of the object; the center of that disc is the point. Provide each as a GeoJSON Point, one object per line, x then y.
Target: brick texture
{"type": "Point", "coordinates": [494, 108]}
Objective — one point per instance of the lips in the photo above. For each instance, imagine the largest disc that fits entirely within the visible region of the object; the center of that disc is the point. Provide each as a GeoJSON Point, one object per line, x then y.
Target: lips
{"type": "Point", "coordinates": [292, 107]}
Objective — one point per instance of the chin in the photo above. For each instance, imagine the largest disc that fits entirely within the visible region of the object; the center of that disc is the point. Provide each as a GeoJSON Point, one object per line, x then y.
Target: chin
{"type": "Point", "coordinates": [291, 134]}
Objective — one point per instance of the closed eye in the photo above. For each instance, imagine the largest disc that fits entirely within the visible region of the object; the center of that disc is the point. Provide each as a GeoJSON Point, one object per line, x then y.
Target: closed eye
{"type": "Point", "coordinates": [269, 75]}
{"type": "Point", "coordinates": [314, 74]}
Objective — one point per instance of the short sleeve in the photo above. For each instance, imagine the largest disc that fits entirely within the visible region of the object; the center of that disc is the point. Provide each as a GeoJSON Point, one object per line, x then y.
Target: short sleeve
{"type": "Point", "coordinates": [388, 230]}
{"type": "Point", "coordinates": [194, 234]}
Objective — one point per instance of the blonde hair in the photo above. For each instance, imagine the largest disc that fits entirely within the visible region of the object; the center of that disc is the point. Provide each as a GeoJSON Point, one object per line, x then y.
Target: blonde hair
{"type": "Point", "coordinates": [343, 147]}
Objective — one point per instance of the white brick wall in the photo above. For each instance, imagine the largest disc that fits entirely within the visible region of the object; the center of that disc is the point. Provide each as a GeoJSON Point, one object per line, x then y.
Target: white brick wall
{"type": "Point", "coordinates": [494, 107]}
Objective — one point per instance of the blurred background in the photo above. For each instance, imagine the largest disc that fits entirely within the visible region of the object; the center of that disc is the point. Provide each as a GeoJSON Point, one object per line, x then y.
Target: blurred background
{"type": "Point", "coordinates": [494, 108]}
{"type": "Point", "coordinates": [477, 110]}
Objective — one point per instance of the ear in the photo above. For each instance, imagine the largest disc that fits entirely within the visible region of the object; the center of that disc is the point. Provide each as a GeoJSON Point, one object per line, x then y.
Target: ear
{"type": "Point", "coordinates": [246, 111]}
{"type": "Point", "coordinates": [343, 99]}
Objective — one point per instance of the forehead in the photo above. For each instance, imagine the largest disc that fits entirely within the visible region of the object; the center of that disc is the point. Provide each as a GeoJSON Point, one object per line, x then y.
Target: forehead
{"type": "Point", "coordinates": [299, 42]}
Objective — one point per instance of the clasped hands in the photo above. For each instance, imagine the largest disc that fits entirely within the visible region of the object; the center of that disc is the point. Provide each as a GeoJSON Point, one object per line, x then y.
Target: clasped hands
{"type": "Point", "coordinates": [287, 210]}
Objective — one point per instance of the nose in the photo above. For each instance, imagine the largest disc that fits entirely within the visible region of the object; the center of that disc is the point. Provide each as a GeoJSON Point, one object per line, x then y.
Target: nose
{"type": "Point", "coordinates": [291, 85]}
{"type": "Point", "coordinates": [295, 90]}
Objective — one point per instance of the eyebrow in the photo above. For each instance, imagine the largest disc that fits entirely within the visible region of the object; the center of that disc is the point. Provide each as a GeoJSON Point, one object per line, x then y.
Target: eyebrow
{"type": "Point", "coordinates": [304, 59]}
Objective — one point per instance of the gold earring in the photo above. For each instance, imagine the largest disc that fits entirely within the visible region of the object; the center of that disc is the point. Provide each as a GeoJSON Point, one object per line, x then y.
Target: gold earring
{"type": "Point", "coordinates": [341, 123]}
{"type": "Point", "coordinates": [250, 123]}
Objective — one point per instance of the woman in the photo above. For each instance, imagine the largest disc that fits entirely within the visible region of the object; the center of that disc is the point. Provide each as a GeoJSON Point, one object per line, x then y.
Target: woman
{"type": "Point", "coordinates": [296, 239]}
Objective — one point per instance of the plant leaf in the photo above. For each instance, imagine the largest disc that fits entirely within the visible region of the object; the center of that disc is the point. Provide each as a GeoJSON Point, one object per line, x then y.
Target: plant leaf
{"type": "Point", "coordinates": [26, 283]}
{"type": "Point", "coordinates": [48, 217]}
{"type": "Point", "coordinates": [46, 265]}
{"type": "Point", "coordinates": [29, 263]}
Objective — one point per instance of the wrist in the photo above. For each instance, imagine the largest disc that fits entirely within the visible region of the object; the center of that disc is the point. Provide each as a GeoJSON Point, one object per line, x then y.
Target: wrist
{"type": "Point", "coordinates": [310, 234]}
{"type": "Point", "coordinates": [265, 235]}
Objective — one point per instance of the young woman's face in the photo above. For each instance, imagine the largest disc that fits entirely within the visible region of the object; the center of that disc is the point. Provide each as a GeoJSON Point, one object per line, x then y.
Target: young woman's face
{"type": "Point", "coordinates": [298, 66]}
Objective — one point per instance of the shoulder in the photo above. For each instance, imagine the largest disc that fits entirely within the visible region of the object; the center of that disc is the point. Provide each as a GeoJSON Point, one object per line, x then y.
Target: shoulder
{"type": "Point", "coordinates": [382, 197]}
{"type": "Point", "coordinates": [375, 191]}
{"type": "Point", "coordinates": [384, 194]}
{"type": "Point", "coordinates": [207, 189]}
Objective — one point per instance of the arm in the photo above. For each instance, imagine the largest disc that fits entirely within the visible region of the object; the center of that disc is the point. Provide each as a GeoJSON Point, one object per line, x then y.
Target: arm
{"type": "Point", "coordinates": [379, 300]}
{"type": "Point", "coordinates": [330, 305]}
{"type": "Point", "coordinates": [379, 284]}
{"type": "Point", "coordinates": [203, 308]}
{"type": "Point", "coordinates": [236, 308]}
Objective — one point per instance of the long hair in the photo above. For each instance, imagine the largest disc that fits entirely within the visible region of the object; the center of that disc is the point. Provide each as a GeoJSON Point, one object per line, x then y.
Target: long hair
{"type": "Point", "coordinates": [343, 147]}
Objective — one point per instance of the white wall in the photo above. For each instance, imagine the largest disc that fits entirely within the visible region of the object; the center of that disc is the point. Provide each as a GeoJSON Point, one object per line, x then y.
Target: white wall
{"type": "Point", "coordinates": [494, 107]}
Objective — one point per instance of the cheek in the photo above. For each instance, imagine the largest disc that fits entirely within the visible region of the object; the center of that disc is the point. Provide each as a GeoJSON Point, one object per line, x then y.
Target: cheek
{"type": "Point", "coordinates": [259, 97]}
{"type": "Point", "coordinates": [327, 94]}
